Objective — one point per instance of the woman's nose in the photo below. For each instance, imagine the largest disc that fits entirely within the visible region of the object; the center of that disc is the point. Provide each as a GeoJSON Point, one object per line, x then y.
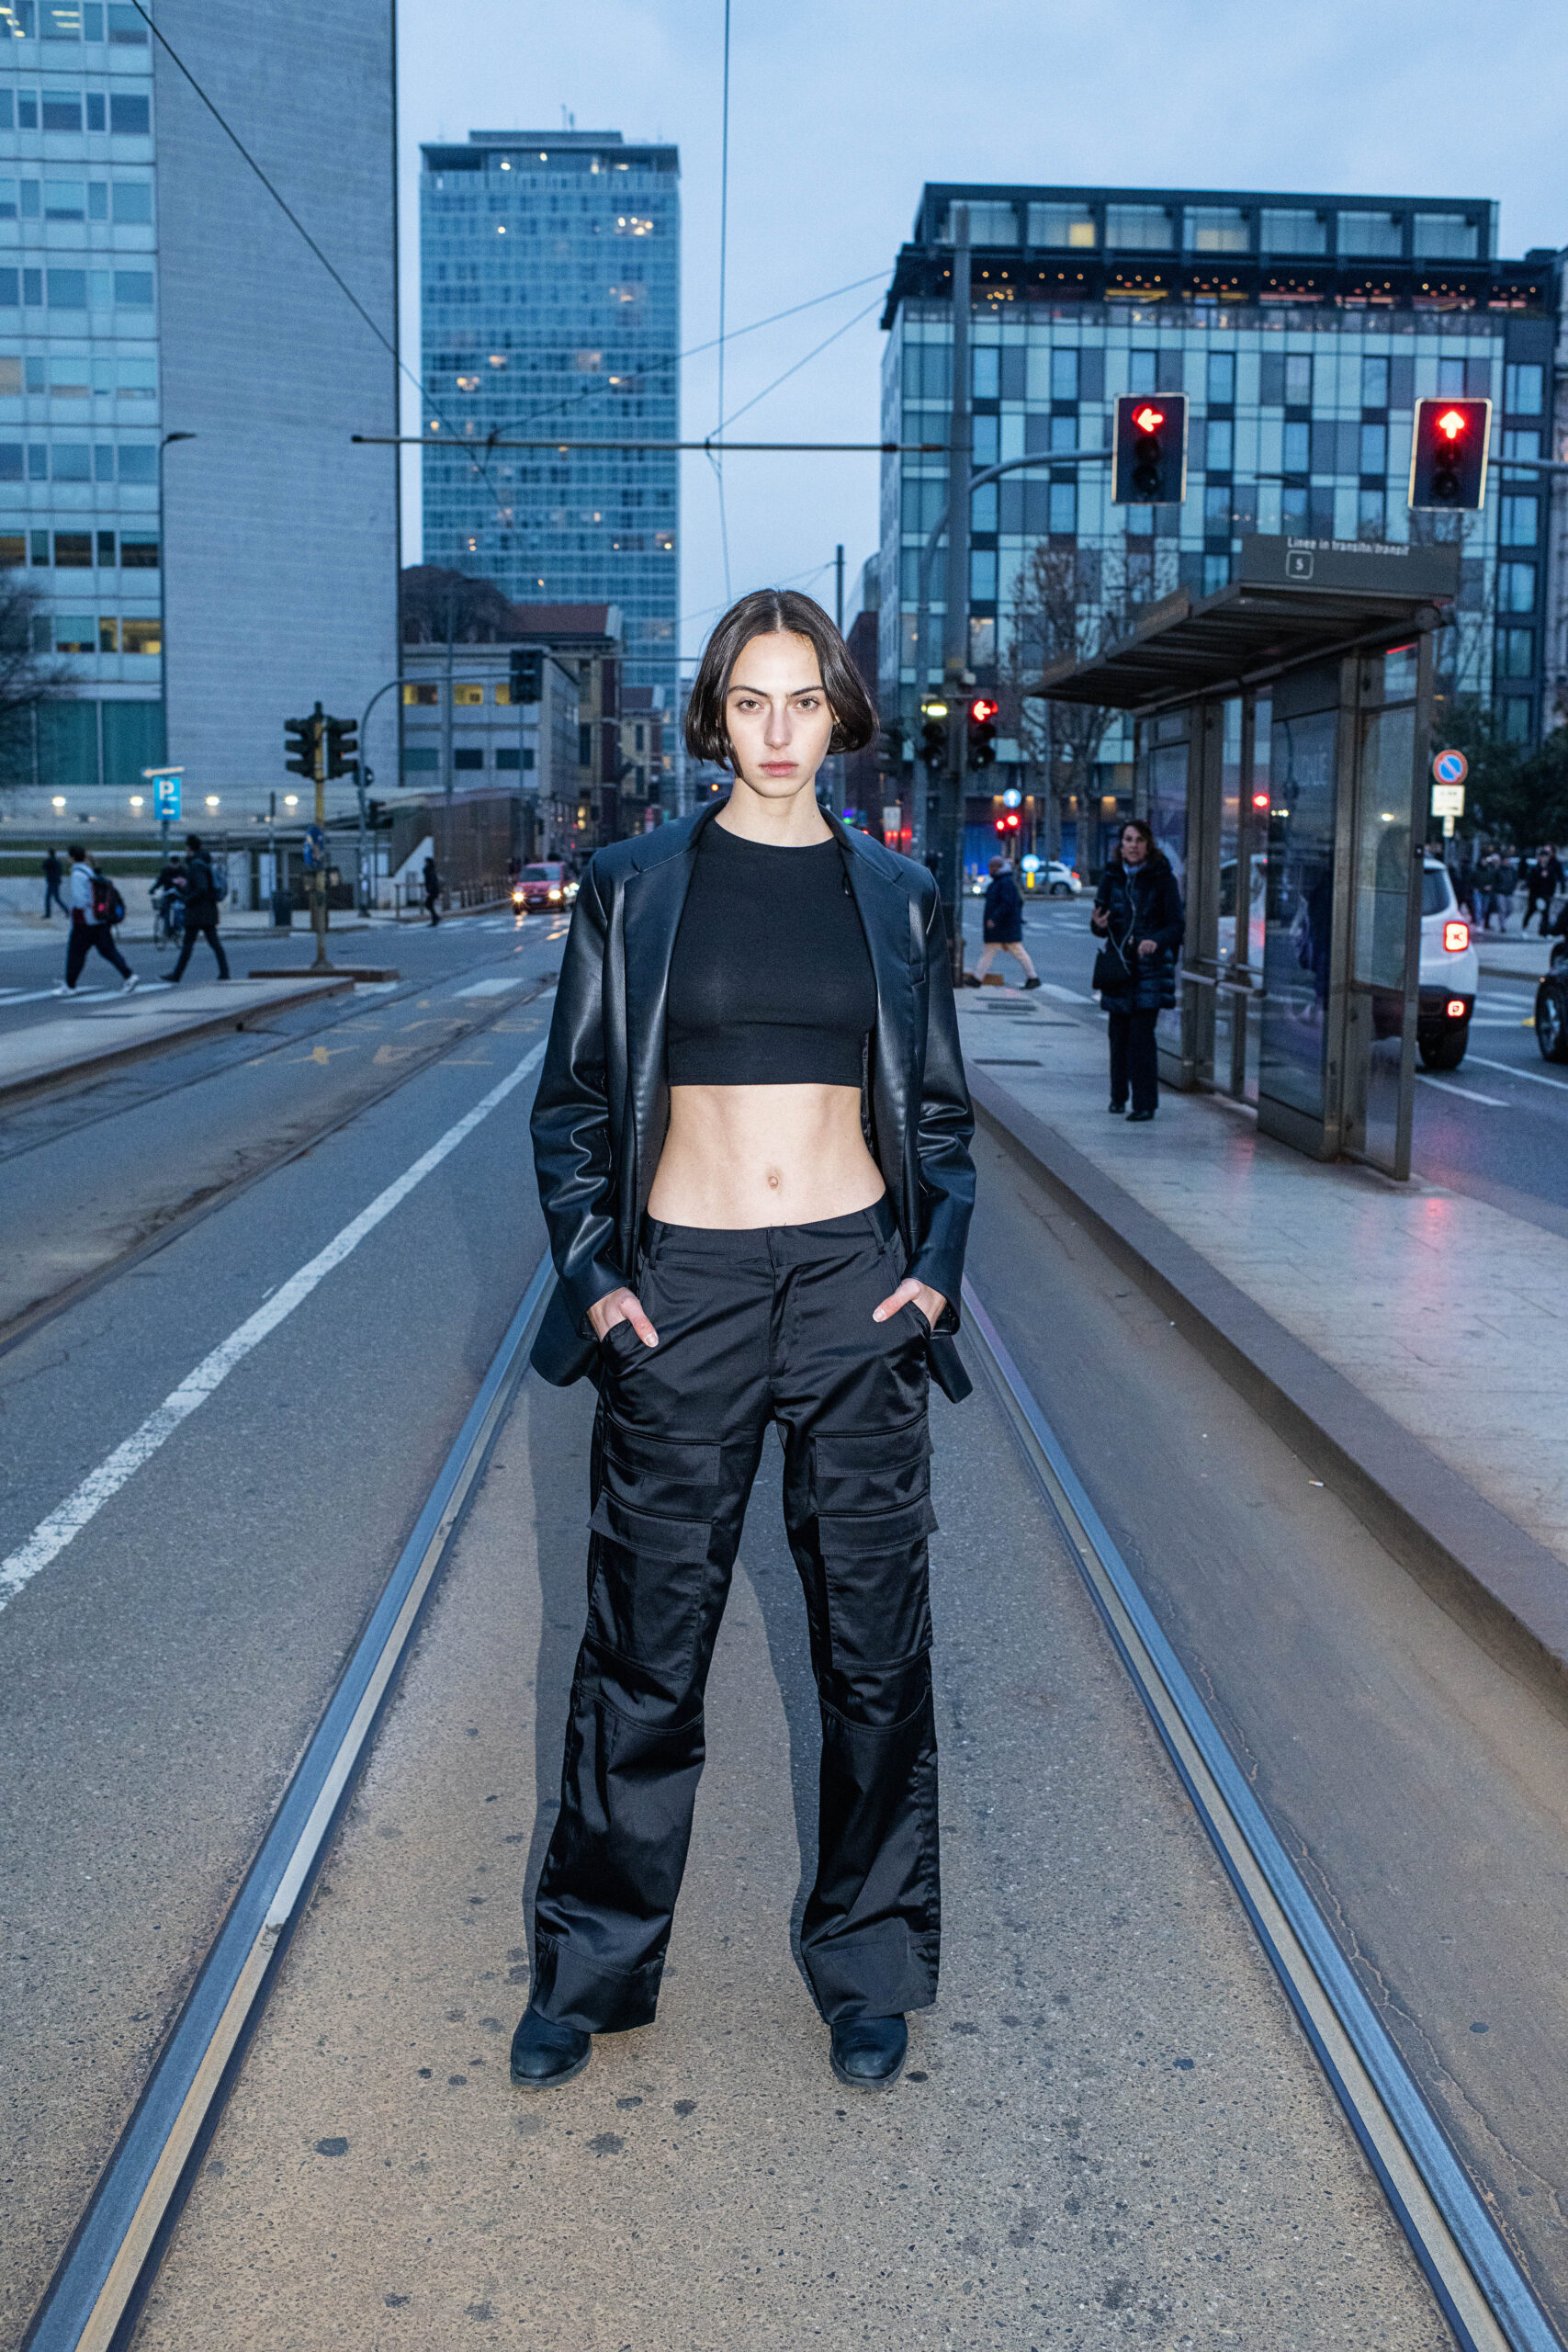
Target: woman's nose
{"type": "Point", "coordinates": [777, 730]}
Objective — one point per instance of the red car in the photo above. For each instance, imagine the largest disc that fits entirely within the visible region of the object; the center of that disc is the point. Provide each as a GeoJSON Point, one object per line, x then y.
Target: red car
{"type": "Point", "coordinates": [539, 887]}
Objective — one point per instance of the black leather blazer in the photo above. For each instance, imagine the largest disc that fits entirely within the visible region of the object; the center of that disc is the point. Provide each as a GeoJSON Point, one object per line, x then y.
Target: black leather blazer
{"type": "Point", "coordinates": [602, 1105]}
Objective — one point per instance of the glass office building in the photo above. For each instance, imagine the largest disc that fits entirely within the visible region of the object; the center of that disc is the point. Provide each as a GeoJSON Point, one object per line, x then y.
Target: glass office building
{"type": "Point", "coordinates": [153, 291]}
{"type": "Point", "coordinates": [549, 292]}
{"type": "Point", "coordinates": [1302, 330]}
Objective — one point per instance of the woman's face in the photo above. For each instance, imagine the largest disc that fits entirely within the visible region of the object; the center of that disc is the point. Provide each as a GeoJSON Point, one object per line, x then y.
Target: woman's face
{"type": "Point", "coordinates": [1135, 848]}
{"type": "Point", "coordinates": [777, 714]}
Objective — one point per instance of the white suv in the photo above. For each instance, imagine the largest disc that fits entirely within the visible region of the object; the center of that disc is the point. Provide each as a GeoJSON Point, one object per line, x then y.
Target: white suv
{"type": "Point", "coordinates": [1450, 970]}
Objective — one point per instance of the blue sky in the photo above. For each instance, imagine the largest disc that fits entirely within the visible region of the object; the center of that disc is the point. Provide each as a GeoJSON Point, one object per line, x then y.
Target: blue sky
{"type": "Point", "coordinates": [838, 113]}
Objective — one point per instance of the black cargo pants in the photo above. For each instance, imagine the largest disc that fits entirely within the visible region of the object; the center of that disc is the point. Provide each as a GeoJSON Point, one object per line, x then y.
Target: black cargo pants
{"type": "Point", "coordinates": [772, 1325]}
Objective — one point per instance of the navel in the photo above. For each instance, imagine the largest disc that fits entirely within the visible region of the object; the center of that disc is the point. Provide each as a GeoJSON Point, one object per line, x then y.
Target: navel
{"type": "Point", "coordinates": [775, 1178]}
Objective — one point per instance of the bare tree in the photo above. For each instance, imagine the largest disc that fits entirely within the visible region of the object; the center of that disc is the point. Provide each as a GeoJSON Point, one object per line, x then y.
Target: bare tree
{"type": "Point", "coordinates": [29, 676]}
{"type": "Point", "coordinates": [441, 607]}
{"type": "Point", "coordinates": [1070, 602]}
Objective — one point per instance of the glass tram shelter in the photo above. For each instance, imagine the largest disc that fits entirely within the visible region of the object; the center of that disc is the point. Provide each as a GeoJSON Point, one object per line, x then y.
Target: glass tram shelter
{"type": "Point", "coordinates": [1282, 729]}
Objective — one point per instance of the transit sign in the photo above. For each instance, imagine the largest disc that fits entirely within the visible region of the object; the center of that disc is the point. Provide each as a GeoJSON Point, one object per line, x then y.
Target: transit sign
{"type": "Point", "coordinates": [1451, 768]}
{"type": "Point", "coordinates": [165, 784]}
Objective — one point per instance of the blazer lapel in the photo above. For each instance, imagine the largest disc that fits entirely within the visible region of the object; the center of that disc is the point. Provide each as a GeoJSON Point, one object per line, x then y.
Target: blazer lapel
{"type": "Point", "coordinates": [654, 900]}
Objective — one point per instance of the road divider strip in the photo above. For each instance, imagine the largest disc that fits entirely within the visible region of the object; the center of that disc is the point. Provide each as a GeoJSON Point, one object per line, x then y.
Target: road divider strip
{"type": "Point", "coordinates": [51, 1535]}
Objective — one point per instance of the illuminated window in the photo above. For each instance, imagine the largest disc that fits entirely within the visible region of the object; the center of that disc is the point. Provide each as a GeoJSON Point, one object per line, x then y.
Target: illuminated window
{"type": "Point", "coordinates": [424, 697]}
{"type": "Point", "coordinates": [140, 636]}
{"type": "Point", "coordinates": [108, 633]}
{"type": "Point", "coordinates": [1066, 226]}
{"type": "Point", "coordinates": [467, 694]}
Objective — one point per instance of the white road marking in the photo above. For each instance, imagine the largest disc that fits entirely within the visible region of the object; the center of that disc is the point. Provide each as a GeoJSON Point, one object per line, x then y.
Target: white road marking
{"type": "Point", "coordinates": [491, 988]}
{"type": "Point", "coordinates": [1535, 1077]}
{"type": "Point", "coordinates": [51, 1535]}
{"type": "Point", "coordinates": [1465, 1093]}
{"type": "Point", "coordinates": [76, 995]}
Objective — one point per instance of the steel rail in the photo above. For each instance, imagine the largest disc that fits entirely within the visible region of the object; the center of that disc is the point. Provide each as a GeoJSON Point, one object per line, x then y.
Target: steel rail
{"type": "Point", "coordinates": [1483, 2293]}
{"type": "Point", "coordinates": [99, 2285]}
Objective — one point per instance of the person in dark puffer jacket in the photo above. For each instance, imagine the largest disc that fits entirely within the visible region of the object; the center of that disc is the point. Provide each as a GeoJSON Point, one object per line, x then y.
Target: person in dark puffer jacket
{"type": "Point", "coordinates": [1138, 916]}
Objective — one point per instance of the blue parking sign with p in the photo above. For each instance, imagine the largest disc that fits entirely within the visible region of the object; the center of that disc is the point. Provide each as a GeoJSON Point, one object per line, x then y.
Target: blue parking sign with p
{"type": "Point", "coordinates": [165, 786]}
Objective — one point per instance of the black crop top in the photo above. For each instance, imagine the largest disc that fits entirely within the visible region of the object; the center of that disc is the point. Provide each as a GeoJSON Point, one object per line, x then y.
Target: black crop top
{"type": "Point", "coordinates": [771, 983]}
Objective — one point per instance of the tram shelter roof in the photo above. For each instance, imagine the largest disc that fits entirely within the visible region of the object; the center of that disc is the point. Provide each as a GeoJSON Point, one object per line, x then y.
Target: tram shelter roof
{"type": "Point", "coordinates": [1293, 601]}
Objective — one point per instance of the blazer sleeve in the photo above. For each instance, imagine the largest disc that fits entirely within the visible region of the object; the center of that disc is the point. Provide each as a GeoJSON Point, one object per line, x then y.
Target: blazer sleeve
{"type": "Point", "coordinates": [571, 1124]}
{"type": "Point", "coordinates": [944, 1132]}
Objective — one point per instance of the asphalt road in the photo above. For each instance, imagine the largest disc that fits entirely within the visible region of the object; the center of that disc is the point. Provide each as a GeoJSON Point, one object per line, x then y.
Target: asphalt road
{"type": "Point", "coordinates": [1497, 1127]}
{"type": "Point", "coordinates": [162, 1669]}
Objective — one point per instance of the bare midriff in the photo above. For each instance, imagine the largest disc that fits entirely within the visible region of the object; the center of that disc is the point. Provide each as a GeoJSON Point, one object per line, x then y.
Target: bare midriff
{"type": "Point", "coordinates": [737, 1157]}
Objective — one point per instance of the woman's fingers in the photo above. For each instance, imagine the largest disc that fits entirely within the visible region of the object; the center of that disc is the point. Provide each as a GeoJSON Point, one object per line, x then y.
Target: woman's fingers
{"type": "Point", "coordinates": [639, 1323]}
{"type": "Point", "coordinates": [621, 1307]}
{"type": "Point", "coordinates": [931, 1302]}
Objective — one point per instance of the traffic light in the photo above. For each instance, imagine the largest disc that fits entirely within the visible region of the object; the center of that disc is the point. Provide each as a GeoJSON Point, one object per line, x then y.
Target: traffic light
{"type": "Point", "coordinates": [933, 734]}
{"type": "Point", "coordinates": [1148, 461]}
{"type": "Point", "coordinates": [982, 731]}
{"type": "Point", "coordinates": [527, 684]}
{"type": "Point", "coordinates": [1447, 454]}
{"type": "Point", "coordinates": [300, 737]}
{"type": "Point", "coordinates": [342, 746]}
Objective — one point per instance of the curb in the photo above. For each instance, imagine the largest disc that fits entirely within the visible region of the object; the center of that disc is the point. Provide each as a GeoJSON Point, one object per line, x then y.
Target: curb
{"type": "Point", "coordinates": [1431, 1520]}
{"type": "Point", "coordinates": [88, 1067]}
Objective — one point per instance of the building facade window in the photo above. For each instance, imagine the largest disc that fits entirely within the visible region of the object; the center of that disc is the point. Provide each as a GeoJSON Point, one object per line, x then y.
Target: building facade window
{"type": "Point", "coordinates": [1444, 236]}
{"type": "Point", "coordinates": [1216, 229]}
{"type": "Point", "coordinates": [1523, 387]}
{"type": "Point", "coordinates": [1064, 228]}
{"type": "Point", "coordinates": [1371, 236]}
{"type": "Point", "coordinates": [1138, 228]}
{"type": "Point", "coordinates": [1293, 233]}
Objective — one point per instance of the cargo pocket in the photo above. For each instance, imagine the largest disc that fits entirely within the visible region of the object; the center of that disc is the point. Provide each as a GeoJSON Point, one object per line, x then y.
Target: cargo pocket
{"type": "Point", "coordinates": [653, 1522]}
{"type": "Point", "coordinates": [872, 1498]}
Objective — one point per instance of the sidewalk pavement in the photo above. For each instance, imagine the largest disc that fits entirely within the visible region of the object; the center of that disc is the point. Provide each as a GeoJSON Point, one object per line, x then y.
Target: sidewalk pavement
{"type": "Point", "coordinates": [1447, 1317]}
{"type": "Point", "coordinates": [103, 1032]}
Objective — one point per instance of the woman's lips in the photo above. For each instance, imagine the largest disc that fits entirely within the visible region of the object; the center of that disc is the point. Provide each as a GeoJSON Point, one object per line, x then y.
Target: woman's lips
{"type": "Point", "coordinates": [778, 767]}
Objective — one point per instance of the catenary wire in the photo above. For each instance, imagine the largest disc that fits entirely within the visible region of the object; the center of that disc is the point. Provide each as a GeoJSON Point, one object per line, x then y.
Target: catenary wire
{"type": "Point", "coordinates": [293, 218]}
{"type": "Point", "coordinates": [717, 462]}
{"type": "Point", "coordinates": [799, 364]}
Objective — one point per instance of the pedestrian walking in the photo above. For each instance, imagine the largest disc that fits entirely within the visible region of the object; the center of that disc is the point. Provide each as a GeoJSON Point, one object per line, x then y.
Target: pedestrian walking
{"type": "Point", "coordinates": [1543, 879]}
{"type": "Point", "coordinates": [1001, 926]}
{"type": "Point", "coordinates": [1137, 914]}
{"type": "Point", "coordinates": [95, 906]}
{"type": "Point", "coordinates": [53, 872]}
{"type": "Point", "coordinates": [432, 891]}
{"type": "Point", "coordinates": [200, 910]}
{"type": "Point", "coordinates": [740, 1243]}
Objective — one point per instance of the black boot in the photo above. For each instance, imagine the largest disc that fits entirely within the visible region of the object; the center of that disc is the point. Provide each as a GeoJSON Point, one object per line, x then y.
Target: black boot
{"type": "Point", "coordinates": [868, 2053]}
{"type": "Point", "coordinates": [544, 2055]}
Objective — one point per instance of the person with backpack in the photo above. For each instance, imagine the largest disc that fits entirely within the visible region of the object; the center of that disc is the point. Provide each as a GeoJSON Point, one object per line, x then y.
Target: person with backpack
{"type": "Point", "coordinates": [200, 910]}
{"type": "Point", "coordinates": [95, 906]}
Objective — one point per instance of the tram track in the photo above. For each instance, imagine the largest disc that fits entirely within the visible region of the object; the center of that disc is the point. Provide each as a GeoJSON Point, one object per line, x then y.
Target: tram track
{"type": "Point", "coordinates": [97, 2291]}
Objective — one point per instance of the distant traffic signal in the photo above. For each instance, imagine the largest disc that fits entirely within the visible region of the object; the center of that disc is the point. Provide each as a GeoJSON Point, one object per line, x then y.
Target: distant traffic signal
{"type": "Point", "coordinates": [527, 679]}
{"type": "Point", "coordinates": [982, 731]}
{"type": "Point", "coordinates": [933, 734]}
{"type": "Point", "coordinates": [1447, 454]}
{"type": "Point", "coordinates": [300, 737]}
{"type": "Point", "coordinates": [342, 746]}
{"type": "Point", "coordinates": [1148, 460]}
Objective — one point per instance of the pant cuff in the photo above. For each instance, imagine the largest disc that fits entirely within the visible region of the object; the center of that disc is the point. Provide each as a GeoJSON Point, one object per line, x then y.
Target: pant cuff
{"type": "Point", "coordinates": [569, 1990]}
{"type": "Point", "coordinates": [880, 1971]}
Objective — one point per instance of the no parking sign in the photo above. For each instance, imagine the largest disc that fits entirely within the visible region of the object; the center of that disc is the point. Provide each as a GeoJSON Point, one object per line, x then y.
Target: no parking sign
{"type": "Point", "coordinates": [1448, 772]}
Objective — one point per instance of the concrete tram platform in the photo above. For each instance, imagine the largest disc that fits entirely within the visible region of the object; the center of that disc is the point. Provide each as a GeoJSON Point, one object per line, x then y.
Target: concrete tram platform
{"type": "Point", "coordinates": [98, 1033]}
{"type": "Point", "coordinates": [1110, 2128]}
{"type": "Point", "coordinates": [1406, 1338]}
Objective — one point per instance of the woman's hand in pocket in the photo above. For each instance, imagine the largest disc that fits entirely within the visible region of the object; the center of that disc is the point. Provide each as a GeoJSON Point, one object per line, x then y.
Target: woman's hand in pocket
{"type": "Point", "coordinates": [931, 1302]}
{"type": "Point", "coordinates": [621, 1307]}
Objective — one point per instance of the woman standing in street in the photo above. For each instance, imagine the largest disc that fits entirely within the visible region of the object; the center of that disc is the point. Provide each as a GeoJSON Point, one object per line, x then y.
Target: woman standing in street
{"type": "Point", "coordinates": [751, 1138]}
{"type": "Point", "coordinates": [1137, 915]}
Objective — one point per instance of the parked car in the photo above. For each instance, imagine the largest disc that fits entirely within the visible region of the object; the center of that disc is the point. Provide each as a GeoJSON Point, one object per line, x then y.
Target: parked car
{"type": "Point", "coordinates": [1451, 971]}
{"type": "Point", "coordinates": [1551, 1007]}
{"type": "Point", "coordinates": [1055, 880]}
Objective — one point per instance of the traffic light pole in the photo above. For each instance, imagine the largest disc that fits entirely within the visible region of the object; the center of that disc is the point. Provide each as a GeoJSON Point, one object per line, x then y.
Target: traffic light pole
{"type": "Point", "coordinates": [320, 911]}
{"type": "Point", "coordinates": [955, 629]}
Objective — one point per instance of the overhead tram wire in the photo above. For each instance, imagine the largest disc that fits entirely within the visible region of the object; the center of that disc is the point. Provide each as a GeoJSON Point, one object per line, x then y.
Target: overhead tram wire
{"type": "Point", "coordinates": [811, 355]}
{"type": "Point", "coordinates": [294, 220]}
{"type": "Point", "coordinates": [597, 388]}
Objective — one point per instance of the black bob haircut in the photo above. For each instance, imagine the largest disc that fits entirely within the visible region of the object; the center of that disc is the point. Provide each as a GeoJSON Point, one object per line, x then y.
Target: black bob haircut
{"type": "Point", "coordinates": [761, 613]}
